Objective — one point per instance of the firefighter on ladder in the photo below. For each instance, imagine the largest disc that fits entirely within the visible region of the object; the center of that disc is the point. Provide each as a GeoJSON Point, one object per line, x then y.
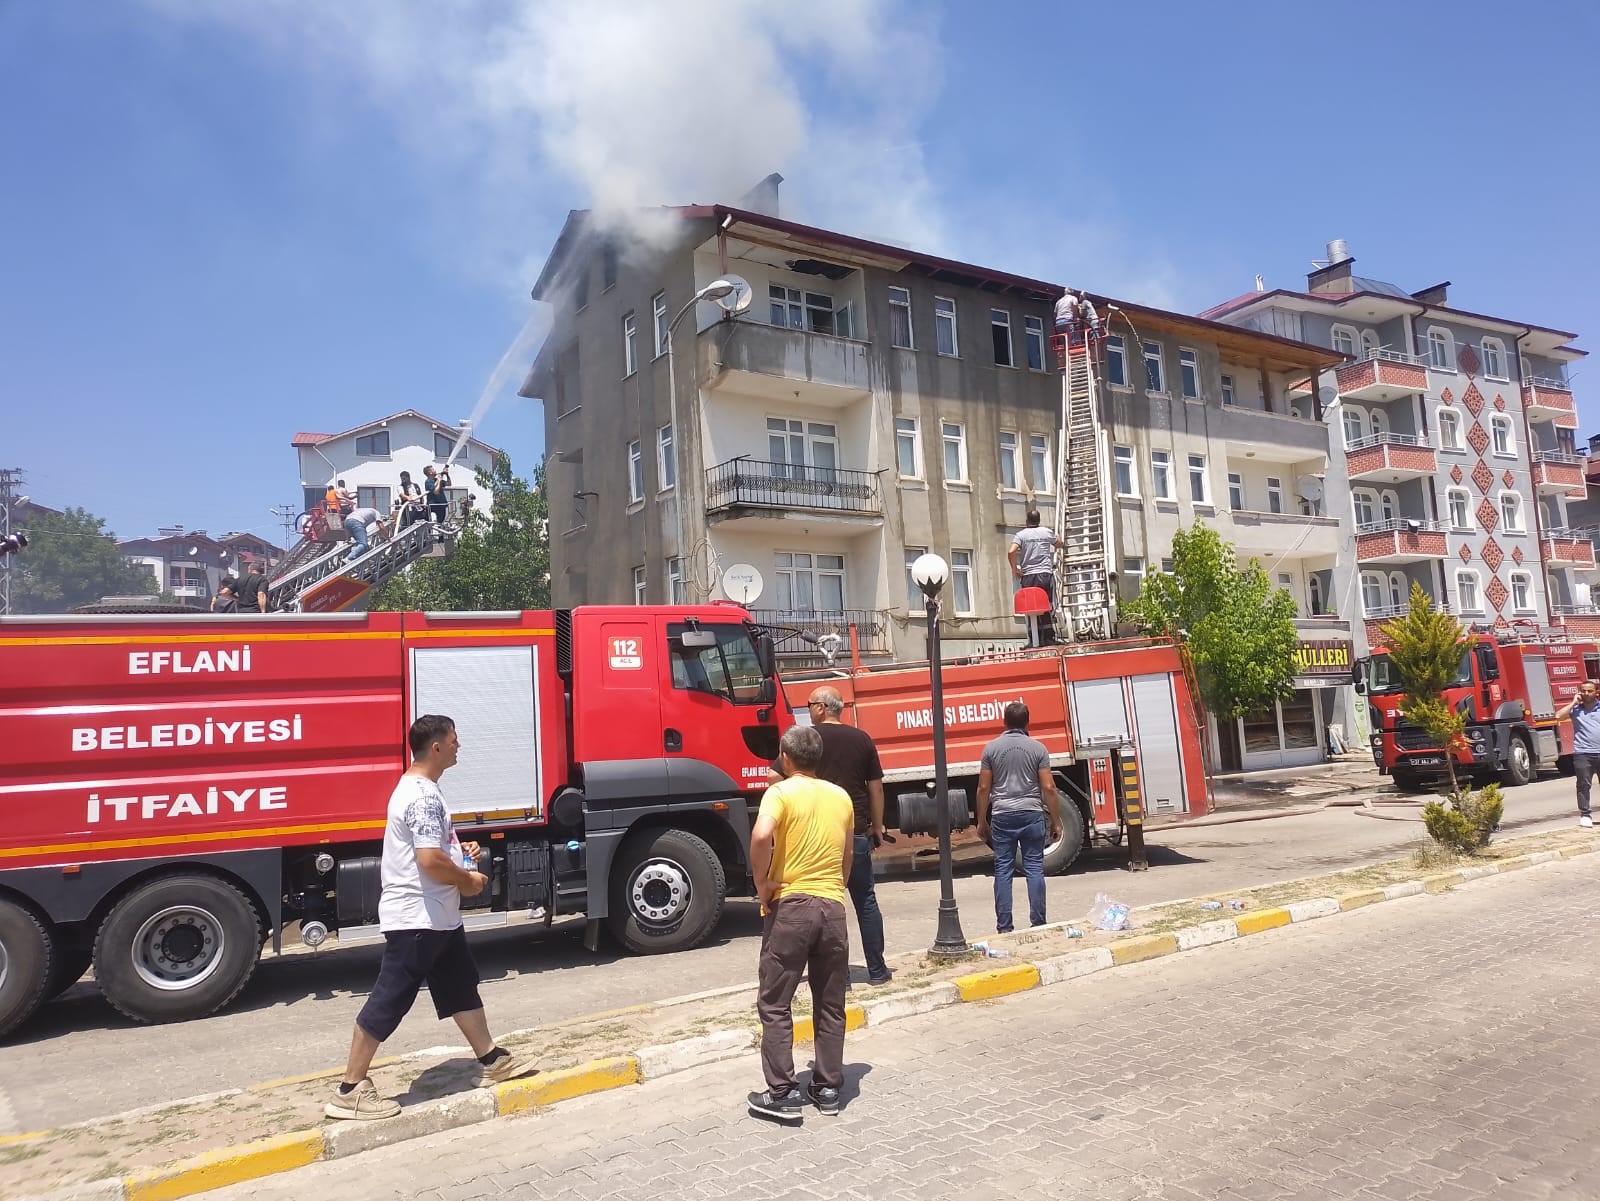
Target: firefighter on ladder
{"type": "Point", "coordinates": [1077, 318]}
{"type": "Point", "coordinates": [1032, 558]}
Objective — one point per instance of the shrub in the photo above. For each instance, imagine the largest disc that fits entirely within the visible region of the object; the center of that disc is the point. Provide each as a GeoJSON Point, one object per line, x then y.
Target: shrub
{"type": "Point", "coordinates": [1466, 821]}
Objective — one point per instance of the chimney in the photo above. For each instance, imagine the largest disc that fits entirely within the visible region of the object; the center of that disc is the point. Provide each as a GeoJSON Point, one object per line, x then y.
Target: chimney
{"type": "Point", "coordinates": [1335, 276]}
{"type": "Point", "coordinates": [1438, 294]}
{"type": "Point", "coordinates": [763, 198]}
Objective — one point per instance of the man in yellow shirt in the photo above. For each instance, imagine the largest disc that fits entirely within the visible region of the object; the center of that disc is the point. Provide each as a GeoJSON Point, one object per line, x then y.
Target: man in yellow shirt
{"type": "Point", "coordinates": [800, 853]}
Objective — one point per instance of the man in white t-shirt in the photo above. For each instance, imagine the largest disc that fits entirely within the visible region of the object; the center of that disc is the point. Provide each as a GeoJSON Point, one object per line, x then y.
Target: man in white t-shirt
{"type": "Point", "coordinates": [426, 872]}
{"type": "Point", "coordinates": [1033, 562]}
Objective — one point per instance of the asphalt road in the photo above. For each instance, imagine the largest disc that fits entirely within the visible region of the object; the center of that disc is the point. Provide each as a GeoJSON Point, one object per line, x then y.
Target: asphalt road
{"type": "Point", "coordinates": [295, 1015]}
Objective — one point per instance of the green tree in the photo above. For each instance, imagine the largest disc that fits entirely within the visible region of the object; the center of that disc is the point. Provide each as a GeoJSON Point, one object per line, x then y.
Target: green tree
{"type": "Point", "coordinates": [1238, 628]}
{"type": "Point", "coordinates": [1425, 649]}
{"type": "Point", "coordinates": [72, 559]}
{"type": "Point", "coordinates": [500, 561]}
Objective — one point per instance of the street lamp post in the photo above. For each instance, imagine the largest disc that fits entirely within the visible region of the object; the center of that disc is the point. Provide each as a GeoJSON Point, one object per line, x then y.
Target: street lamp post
{"type": "Point", "coordinates": [930, 573]}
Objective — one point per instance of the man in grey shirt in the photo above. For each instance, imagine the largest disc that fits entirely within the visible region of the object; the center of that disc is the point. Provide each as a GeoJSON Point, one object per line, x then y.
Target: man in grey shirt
{"type": "Point", "coordinates": [1017, 805]}
{"type": "Point", "coordinates": [1033, 563]}
{"type": "Point", "coordinates": [1584, 710]}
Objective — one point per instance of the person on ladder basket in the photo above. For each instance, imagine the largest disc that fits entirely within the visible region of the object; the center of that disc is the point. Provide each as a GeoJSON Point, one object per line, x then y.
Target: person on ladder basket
{"type": "Point", "coordinates": [1032, 558]}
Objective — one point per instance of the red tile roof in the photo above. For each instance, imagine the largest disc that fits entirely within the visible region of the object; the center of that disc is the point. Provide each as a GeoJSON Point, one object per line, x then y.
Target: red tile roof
{"type": "Point", "coordinates": [304, 439]}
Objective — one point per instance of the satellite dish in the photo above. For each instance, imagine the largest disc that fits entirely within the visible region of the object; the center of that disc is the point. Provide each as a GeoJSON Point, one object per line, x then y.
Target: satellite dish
{"type": "Point", "coordinates": [1309, 487]}
{"type": "Point", "coordinates": [741, 582]}
{"type": "Point", "coordinates": [1327, 395]}
{"type": "Point", "coordinates": [738, 301]}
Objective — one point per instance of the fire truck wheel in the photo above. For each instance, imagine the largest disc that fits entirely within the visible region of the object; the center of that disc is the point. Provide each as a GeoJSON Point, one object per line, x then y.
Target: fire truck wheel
{"type": "Point", "coordinates": [667, 889]}
{"type": "Point", "coordinates": [1519, 763]}
{"type": "Point", "coordinates": [1063, 852]}
{"type": "Point", "coordinates": [178, 947]}
{"type": "Point", "coordinates": [26, 953]}
{"type": "Point", "coordinates": [1406, 782]}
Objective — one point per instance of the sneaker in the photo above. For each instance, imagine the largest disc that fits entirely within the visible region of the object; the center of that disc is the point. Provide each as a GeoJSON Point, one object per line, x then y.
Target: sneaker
{"type": "Point", "coordinates": [825, 1099]}
{"type": "Point", "coordinates": [779, 1107]}
{"type": "Point", "coordinates": [882, 977]}
{"type": "Point", "coordinates": [361, 1104]}
{"type": "Point", "coordinates": [1586, 821]}
{"type": "Point", "coordinates": [510, 1066]}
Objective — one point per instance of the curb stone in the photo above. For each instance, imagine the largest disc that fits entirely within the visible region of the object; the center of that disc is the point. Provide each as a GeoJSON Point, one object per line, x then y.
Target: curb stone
{"type": "Point", "coordinates": [285, 1152]}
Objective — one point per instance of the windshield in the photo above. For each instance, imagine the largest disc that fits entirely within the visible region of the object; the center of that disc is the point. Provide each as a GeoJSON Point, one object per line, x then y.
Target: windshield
{"type": "Point", "coordinates": [1381, 676]}
{"type": "Point", "coordinates": [731, 668]}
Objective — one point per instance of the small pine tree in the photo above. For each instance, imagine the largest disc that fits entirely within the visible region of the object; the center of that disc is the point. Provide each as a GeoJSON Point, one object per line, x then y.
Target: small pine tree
{"type": "Point", "coordinates": [1465, 822]}
{"type": "Point", "coordinates": [1425, 649]}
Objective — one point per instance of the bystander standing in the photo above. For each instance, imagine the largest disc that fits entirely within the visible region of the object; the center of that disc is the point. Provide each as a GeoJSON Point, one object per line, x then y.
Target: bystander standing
{"type": "Point", "coordinates": [1584, 713]}
{"type": "Point", "coordinates": [1017, 805]}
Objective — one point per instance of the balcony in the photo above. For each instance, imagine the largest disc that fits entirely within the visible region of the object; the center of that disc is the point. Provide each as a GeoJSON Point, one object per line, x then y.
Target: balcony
{"type": "Point", "coordinates": [791, 365]}
{"type": "Point", "coordinates": [1390, 458]}
{"type": "Point", "coordinates": [873, 636]}
{"type": "Point", "coordinates": [1557, 473]}
{"type": "Point", "coordinates": [1382, 375]}
{"type": "Point", "coordinates": [780, 494]}
{"type": "Point", "coordinates": [1273, 437]}
{"type": "Point", "coordinates": [1545, 399]}
{"type": "Point", "coordinates": [1403, 541]}
{"type": "Point", "coordinates": [1390, 612]}
{"type": "Point", "coordinates": [1568, 548]}
{"type": "Point", "coordinates": [1286, 534]}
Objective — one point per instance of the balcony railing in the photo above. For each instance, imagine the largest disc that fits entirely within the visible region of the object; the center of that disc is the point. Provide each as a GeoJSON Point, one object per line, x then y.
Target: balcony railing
{"type": "Point", "coordinates": [1410, 525]}
{"type": "Point", "coordinates": [757, 483]}
{"type": "Point", "coordinates": [1548, 383]}
{"type": "Point", "coordinates": [1388, 440]}
{"type": "Point", "coordinates": [1558, 456]}
{"type": "Point", "coordinates": [1386, 612]}
{"type": "Point", "coordinates": [1575, 610]}
{"type": "Point", "coordinates": [872, 629]}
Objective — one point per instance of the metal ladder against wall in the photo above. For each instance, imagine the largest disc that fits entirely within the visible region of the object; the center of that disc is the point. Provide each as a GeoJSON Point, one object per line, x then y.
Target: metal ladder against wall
{"type": "Point", "coordinates": [1083, 583]}
{"type": "Point", "coordinates": [381, 563]}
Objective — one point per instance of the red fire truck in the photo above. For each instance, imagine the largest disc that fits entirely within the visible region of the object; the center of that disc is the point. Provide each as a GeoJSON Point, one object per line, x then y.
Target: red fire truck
{"type": "Point", "coordinates": [1110, 713]}
{"type": "Point", "coordinates": [1509, 686]}
{"type": "Point", "coordinates": [179, 789]}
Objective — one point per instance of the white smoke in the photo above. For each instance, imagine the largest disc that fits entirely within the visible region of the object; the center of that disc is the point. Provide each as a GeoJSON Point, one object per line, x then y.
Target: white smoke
{"type": "Point", "coordinates": [634, 104]}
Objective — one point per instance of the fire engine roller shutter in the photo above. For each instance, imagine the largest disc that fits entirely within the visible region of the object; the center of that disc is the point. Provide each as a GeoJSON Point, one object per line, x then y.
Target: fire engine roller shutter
{"type": "Point", "coordinates": [1537, 673]}
{"type": "Point", "coordinates": [1160, 755]}
{"type": "Point", "coordinates": [491, 692]}
{"type": "Point", "coordinates": [1100, 713]}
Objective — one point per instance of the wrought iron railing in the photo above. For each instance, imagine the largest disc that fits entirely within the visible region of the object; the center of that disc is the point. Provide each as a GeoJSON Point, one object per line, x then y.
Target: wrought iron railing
{"type": "Point", "coordinates": [1388, 440]}
{"type": "Point", "coordinates": [1407, 525]}
{"type": "Point", "coordinates": [1558, 456]}
{"type": "Point", "coordinates": [762, 484]}
{"type": "Point", "coordinates": [1549, 383]}
{"type": "Point", "coordinates": [789, 626]}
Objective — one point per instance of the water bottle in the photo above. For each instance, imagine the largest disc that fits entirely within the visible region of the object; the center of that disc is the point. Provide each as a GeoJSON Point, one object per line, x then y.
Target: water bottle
{"type": "Point", "coordinates": [1236, 905]}
{"type": "Point", "coordinates": [467, 861]}
{"type": "Point", "coordinates": [1211, 905]}
{"type": "Point", "coordinates": [997, 953]}
{"type": "Point", "coordinates": [1074, 932]}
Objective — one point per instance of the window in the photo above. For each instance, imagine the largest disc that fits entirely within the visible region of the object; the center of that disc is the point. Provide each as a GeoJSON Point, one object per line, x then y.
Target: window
{"type": "Point", "coordinates": [955, 451]}
{"type": "Point", "coordinates": [1440, 350]}
{"type": "Point", "coordinates": [1227, 390]}
{"type": "Point", "coordinates": [666, 462]}
{"type": "Point", "coordinates": [915, 601]}
{"type": "Point", "coordinates": [580, 288]}
{"type": "Point", "coordinates": [677, 593]}
{"type": "Point", "coordinates": [809, 583]}
{"type": "Point", "coordinates": [1522, 591]}
{"type": "Point", "coordinates": [1009, 460]}
{"type": "Point", "coordinates": [1189, 373]}
{"type": "Point", "coordinates": [1315, 596]}
{"type": "Point", "coordinates": [443, 444]}
{"type": "Point", "coordinates": [1199, 492]}
{"type": "Point", "coordinates": [373, 498]}
{"type": "Point", "coordinates": [1153, 379]}
{"type": "Point", "coordinates": [944, 325]}
{"type": "Point", "coordinates": [794, 308]}
{"type": "Point", "coordinates": [635, 472]}
{"type": "Point", "coordinates": [900, 320]}
{"type": "Point", "coordinates": [630, 348]}
{"type": "Point", "coordinates": [1033, 342]}
{"type": "Point", "coordinates": [1527, 370]}
{"type": "Point", "coordinates": [1379, 421]}
{"type": "Point", "coordinates": [1345, 340]}
{"type": "Point", "coordinates": [1450, 429]}
{"type": "Point", "coordinates": [1235, 491]}
{"type": "Point", "coordinates": [1123, 460]}
{"type": "Point", "coordinates": [1168, 565]}
{"type": "Point", "coordinates": [802, 449]}
{"type": "Point", "coordinates": [1116, 361]}
{"type": "Point", "coordinates": [728, 668]}
{"type": "Point", "coordinates": [373, 446]}
{"type": "Point", "coordinates": [1494, 358]}
{"type": "Point", "coordinates": [638, 585]}
{"type": "Point", "coordinates": [906, 448]}
{"type": "Point", "coordinates": [658, 310]}
{"type": "Point", "coordinates": [608, 267]}
{"type": "Point", "coordinates": [1039, 477]}
{"type": "Point", "coordinates": [1373, 593]}
{"type": "Point", "coordinates": [1161, 474]}
{"type": "Point", "coordinates": [568, 380]}
{"type": "Point", "coordinates": [1000, 333]}
{"type": "Point", "coordinates": [1399, 589]}
{"type": "Point", "coordinates": [1364, 502]}
{"type": "Point", "coordinates": [1502, 440]}
{"type": "Point", "coordinates": [1355, 425]}
{"type": "Point", "coordinates": [961, 582]}
{"type": "Point", "coordinates": [1511, 512]}
{"type": "Point", "coordinates": [1467, 600]}
{"type": "Point", "coordinates": [1274, 494]}
{"type": "Point", "coordinates": [1132, 575]}
{"type": "Point", "coordinates": [1369, 341]}
{"type": "Point", "coordinates": [1458, 500]}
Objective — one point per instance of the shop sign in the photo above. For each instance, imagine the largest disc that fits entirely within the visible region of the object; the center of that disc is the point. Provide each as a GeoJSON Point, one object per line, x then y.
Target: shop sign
{"type": "Point", "coordinates": [1322, 658]}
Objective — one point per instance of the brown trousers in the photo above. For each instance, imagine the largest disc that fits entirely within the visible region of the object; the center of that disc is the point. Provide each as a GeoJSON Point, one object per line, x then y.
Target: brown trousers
{"type": "Point", "coordinates": [803, 935]}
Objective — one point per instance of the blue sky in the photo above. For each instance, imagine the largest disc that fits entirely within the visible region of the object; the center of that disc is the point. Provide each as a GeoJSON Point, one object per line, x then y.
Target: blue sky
{"type": "Point", "coordinates": [227, 222]}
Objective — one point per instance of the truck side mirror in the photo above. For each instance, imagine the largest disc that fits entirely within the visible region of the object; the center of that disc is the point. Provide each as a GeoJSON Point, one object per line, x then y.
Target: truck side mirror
{"type": "Point", "coordinates": [1488, 665]}
{"type": "Point", "coordinates": [767, 656]}
{"type": "Point", "coordinates": [1358, 675]}
{"type": "Point", "coordinates": [768, 693]}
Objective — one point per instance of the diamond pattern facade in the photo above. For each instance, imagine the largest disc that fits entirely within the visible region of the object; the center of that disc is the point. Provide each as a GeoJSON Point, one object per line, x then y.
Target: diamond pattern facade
{"type": "Point", "coordinates": [1473, 399]}
{"type": "Point", "coordinates": [1488, 515]}
{"type": "Point", "coordinates": [1496, 593]}
{"type": "Point", "coordinates": [1465, 552]}
{"type": "Point", "coordinates": [1500, 402]}
{"type": "Point", "coordinates": [1468, 360]}
{"type": "Point", "coordinates": [1516, 554]}
{"type": "Point", "coordinates": [1477, 438]}
{"type": "Point", "coordinates": [1448, 397]}
{"type": "Point", "coordinates": [1482, 476]}
{"type": "Point", "coordinates": [1492, 554]}
{"type": "Point", "coordinates": [1456, 473]}
{"type": "Point", "coordinates": [1507, 478]}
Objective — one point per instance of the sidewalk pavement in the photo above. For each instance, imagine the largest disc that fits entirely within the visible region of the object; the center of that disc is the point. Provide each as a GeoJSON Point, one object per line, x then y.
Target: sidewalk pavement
{"type": "Point", "coordinates": [1289, 787]}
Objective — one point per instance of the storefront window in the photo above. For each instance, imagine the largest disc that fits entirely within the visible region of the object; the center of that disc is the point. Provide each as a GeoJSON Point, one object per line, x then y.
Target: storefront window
{"type": "Point", "coordinates": [1300, 722]}
{"type": "Point", "coordinates": [1260, 732]}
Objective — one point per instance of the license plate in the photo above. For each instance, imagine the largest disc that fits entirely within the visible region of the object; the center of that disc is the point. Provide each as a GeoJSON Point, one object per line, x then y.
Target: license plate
{"type": "Point", "coordinates": [1425, 761]}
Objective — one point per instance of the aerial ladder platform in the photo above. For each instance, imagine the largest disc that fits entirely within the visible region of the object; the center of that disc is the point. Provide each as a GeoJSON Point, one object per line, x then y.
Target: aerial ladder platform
{"type": "Point", "coordinates": [319, 576]}
{"type": "Point", "coordinates": [1085, 604]}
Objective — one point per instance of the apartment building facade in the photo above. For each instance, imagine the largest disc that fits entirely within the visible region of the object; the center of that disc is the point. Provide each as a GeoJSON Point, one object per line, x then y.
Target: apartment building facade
{"type": "Point", "coordinates": [1454, 450]}
{"type": "Point", "coordinates": [873, 403]}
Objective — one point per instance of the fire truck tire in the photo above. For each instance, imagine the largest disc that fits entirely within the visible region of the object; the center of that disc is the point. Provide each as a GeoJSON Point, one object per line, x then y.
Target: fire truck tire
{"type": "Point", "coordinates": [26, 953]}
{"type": "Point", "coordinates": [1407, 782]}
{"type": "Point", "coordinates": [667, 891]}
{"type": "Point", "coordinates": [1063, 852]}
{"type": "Point", "coordinates": [1519, 763]}
{"type": "Point", "coordinates": [176, 948]}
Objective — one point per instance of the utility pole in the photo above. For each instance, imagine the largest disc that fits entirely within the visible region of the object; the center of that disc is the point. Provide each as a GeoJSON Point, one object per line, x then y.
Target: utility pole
{"type": "Point", "coordinates": [10, 482]}
{"type": "Point", "coordinates": [286, 514]}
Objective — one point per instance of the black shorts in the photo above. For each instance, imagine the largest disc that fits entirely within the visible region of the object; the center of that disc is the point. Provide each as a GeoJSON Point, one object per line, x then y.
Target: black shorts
{"type": "Point", "coordinates": [441, 958]}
